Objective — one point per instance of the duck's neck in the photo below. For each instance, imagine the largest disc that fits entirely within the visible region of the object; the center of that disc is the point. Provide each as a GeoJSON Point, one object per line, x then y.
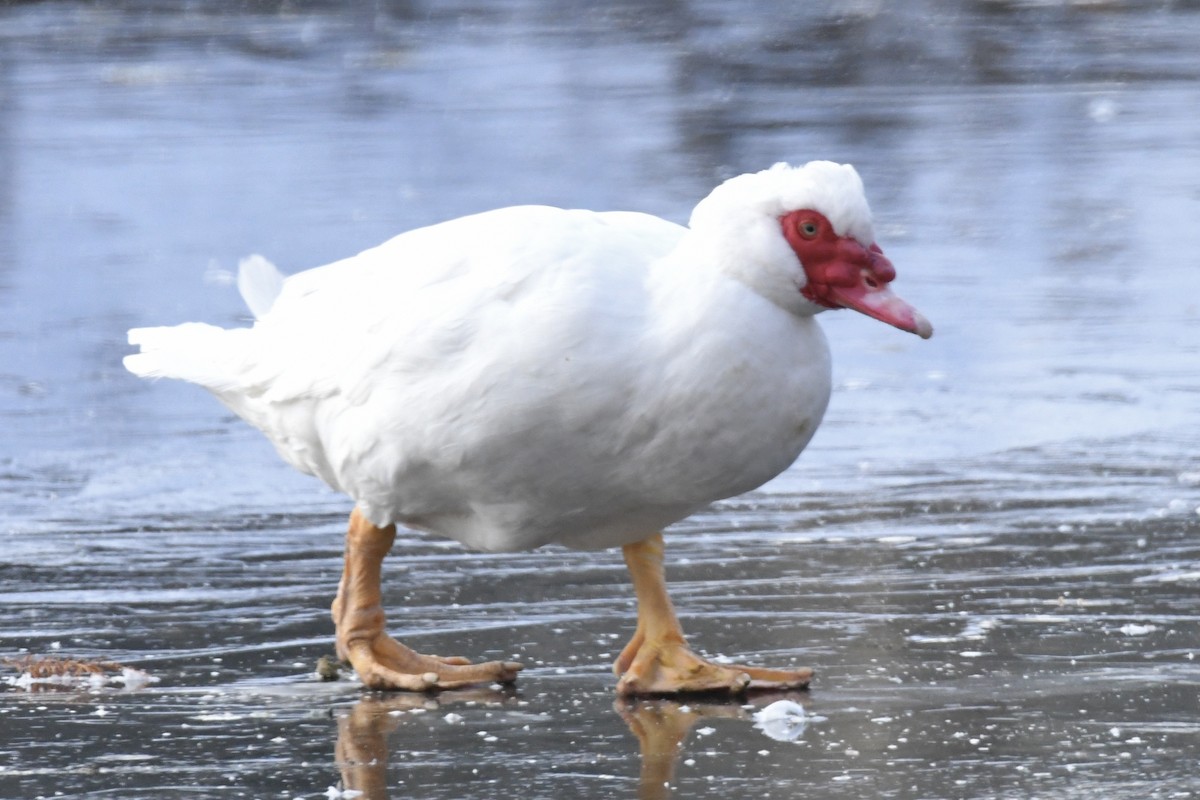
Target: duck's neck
{"type": "Point", "coordinates": [745, 380]}
{"type": "Point", "coordinates": [708, 270]}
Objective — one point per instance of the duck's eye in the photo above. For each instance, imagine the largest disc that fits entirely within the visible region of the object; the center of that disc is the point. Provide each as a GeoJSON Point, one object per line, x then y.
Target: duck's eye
{"type": "Point", "coordinates": [808, 229]}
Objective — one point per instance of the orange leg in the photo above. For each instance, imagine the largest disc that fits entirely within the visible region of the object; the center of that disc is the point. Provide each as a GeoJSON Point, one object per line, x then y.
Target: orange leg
{"type": "Point", "coordinates": [380, 661]}
{"type": "Point", "coordinates": [657, 660]}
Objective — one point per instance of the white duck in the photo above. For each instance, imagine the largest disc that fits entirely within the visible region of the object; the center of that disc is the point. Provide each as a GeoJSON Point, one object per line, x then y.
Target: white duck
{"type": "Point", "coordinates": [534, 375]}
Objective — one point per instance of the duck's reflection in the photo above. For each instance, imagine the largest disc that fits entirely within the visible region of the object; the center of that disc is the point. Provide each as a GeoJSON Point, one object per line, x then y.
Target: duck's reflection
{"type": "Point", "coordinates": [362, 744]}
{"type": "Point", "coordinates": [660, 725]}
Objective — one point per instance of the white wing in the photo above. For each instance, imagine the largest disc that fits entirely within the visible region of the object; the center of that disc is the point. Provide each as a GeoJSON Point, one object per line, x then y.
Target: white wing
{"type": "Point", "coordinates": [440, 359]}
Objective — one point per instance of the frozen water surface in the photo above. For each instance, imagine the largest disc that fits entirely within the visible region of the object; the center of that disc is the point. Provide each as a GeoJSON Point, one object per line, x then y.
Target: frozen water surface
{"type": "Point", "coordinates": [990, 552]}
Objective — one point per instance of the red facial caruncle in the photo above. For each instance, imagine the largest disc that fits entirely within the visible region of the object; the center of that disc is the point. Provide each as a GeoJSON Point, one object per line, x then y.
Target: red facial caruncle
{"type": "Point", "coordinates": [843, 273]}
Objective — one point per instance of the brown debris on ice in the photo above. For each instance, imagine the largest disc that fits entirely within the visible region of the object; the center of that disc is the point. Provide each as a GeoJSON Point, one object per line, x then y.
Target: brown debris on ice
{"type": "Point", "coordinates": [53, 672]}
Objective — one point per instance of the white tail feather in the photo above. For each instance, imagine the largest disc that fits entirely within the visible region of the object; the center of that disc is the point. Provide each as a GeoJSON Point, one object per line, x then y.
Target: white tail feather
{"type": "Point", "coordinates": [259, 282]}
{"type": "Point", "coordinates": [194, 352]}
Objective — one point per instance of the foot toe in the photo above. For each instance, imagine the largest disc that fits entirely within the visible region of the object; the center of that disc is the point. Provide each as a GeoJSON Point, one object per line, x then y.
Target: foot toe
{"type": "Point", "coordinates": [672, 668]}
{"type": "Point", "coordinates": [377, 676]}
{"type": "Point", "coordinates": [763, 678]}
{"type": "Point", "coordinates": [385, 664]}
{"type": "Point", "coordinates": [680, 673]}
{"type": "Point", "coordinates": [456, 676]}
{"type": "Point", "coordinates": [458, 661]}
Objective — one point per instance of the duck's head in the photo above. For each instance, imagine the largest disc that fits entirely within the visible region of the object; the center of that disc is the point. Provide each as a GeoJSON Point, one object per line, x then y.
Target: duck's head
{"type": "Point", "coordinates": [802, 237]}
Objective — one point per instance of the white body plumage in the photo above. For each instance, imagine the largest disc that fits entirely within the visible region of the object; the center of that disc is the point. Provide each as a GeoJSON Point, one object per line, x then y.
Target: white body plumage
{"type": "Point", "coordinates": [533, 375]}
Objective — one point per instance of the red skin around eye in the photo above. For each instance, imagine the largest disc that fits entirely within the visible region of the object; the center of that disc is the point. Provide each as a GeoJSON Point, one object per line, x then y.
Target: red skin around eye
{"type": "Point", "coordinates": [843, 273]}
